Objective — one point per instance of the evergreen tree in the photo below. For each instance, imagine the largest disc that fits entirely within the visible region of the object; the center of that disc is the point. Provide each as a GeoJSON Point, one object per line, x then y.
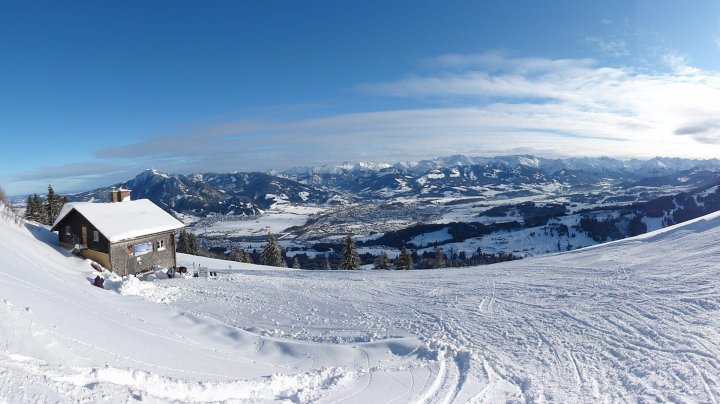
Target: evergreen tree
{"type": "Point", "coordinates": [188, 243]}
{"type": "Point", "coordinates": [404, 260]}
{"type": "Point", "coordinates": [237, 254]}
{"type": "Point", "coordinates": [28, 211]}
{"type": "Point", "coordinates": [349, 258]}
{"type": "Point", "coordinates": [296, 263]}
{"type": "Point", "coordinates": [272, 254]}
{"type": "Point", "coordinates": [440, 258]}
{"type": "Point", "coordinates": [53, 205]}
{"type": "Point", "coordinates": [38, 212]}
{"type": "Point", "coordinates": [248, 259]}
{"type": "Point", "coordinates": [63, 200]}
{"type": "Point", "coordinates": [182, 245]}
{"type": "Point", "coordinates": [382, 261]}
{"type": "Point", "coordinates": [42, 212]}
{"type": "Point", "coordinates": [194, 245]}
{"type": "Point", "coordinates": [31, 210]}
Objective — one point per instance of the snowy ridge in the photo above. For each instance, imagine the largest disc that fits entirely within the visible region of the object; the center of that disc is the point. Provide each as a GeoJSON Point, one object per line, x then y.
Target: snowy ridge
{"type": "Point", "coordinates": [650, 167]}
{"type": "Point", "coordinates": [632, 320]}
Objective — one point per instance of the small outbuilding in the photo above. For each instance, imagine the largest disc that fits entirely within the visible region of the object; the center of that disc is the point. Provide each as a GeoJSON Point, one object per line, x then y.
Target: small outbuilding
{"type": "Point", "coordinates": [124, 236]}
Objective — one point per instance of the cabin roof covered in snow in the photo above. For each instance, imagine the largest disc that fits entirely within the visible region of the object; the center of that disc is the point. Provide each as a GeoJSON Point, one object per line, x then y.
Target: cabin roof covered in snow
{"type": "Point", "coordinates": [123, 220]}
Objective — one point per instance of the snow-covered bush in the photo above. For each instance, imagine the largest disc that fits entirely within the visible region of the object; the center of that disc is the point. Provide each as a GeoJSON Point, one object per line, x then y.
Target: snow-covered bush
{"type": "Point", "coordinates": [6, 210]}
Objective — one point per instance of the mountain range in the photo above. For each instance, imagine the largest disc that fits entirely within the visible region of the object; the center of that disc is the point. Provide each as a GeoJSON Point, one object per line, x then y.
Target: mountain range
{"type": "Point", "coordinates": [459, 176]}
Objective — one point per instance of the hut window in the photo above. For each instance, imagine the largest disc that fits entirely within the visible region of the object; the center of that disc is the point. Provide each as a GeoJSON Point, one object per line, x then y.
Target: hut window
{"type": "Point", "coordinates": [67, 230]}
{"type": "Point", "coordinates": [160, 245]}
{"type": "Point", "coordinates": [96, 236]}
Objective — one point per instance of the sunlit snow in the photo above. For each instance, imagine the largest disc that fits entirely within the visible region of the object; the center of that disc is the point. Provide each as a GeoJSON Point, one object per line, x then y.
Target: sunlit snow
{"type": "Point", "coordinates": [633, 320]}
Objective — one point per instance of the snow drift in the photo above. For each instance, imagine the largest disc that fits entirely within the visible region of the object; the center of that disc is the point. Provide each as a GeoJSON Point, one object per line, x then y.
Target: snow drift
{"type": "Point", "coordinates": [631, 320]}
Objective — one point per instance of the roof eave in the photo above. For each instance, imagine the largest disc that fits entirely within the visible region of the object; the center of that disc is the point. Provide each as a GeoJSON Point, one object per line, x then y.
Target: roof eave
{"type": "Point", "coordinates": [122, 240]}
{"type": "Point", "coordinates": [60, 219]}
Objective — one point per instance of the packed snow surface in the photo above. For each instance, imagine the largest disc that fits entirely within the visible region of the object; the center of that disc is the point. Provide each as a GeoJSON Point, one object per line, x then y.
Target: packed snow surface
{"type": "Point", "coordinates": [634, 320]}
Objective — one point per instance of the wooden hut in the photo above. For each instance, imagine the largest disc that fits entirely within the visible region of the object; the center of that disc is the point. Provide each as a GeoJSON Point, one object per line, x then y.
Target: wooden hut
{"type": "Point", "coordinates": [124, 236]}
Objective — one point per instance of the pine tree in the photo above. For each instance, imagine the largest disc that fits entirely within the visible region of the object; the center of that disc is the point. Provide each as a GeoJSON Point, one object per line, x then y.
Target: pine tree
{"type": "Point", "coordinates": [404, 260]}
{"type": "Point", "coordinates": [42, 212]}
{"type": "Point", "coordinates": [382, 261]}
{"type": "Point", "coordinates": [349, 258]}
{"type": "Point", "coordinates": [248, 259]}
{"type": "Point", "coordinates": [31, 212]}
{"type": "Point", "coordinates": [182, 244]}
{"type": "Point", "coordinates": [296, 263]}
{"type": "Point", "coordinates": [237, 254]}
{"type": "Point", "coordinates": [53, 205]}
{"type": "Point", "coordinates": [440, 258]}
{"type": "Point", "coordinates": [38, 211]}
{"type": "Point", "coordinates": [272, 254]}
{"type": "Point", "coordinates": [194, 244]}
{"type": "Point", "coordinates": [63, 200]}
{"type": "Point", "coordinates": [188, 243]}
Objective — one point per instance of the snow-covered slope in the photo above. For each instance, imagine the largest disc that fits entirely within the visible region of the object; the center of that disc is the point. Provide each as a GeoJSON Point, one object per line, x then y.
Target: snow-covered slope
{"type": "Point", "coordinates": [625, 321]}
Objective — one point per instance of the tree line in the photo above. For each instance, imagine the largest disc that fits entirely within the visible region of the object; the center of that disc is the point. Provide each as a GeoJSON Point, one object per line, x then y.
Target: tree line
{"type": "Point", "coordinates": [348, 259]}
{"type": "Point", "coordinates": [46, 209]}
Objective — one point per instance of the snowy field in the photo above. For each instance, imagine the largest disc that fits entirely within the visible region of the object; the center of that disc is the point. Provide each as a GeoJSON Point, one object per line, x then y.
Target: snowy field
{"type": "Point", "coordinates": [634, 320]}
{"type": "Point", "coordinates": [274, 220]}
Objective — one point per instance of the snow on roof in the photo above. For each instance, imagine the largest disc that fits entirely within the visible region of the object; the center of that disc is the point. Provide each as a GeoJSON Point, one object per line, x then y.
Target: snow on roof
{"type": "Point", "coordinates": [123, 220]}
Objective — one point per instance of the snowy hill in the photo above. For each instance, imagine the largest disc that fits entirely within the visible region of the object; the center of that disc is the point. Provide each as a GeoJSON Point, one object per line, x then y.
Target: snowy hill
{"type": "Point", "coordinates": [633, 320]}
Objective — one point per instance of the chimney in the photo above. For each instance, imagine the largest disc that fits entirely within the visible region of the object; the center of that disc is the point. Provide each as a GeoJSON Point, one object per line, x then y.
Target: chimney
{"type": "Point", "coordinates": [119, 195]}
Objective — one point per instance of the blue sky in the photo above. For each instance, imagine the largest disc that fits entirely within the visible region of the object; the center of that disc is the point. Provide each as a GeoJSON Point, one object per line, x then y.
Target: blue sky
{"type": "Point", "coordinates": [95, 92]}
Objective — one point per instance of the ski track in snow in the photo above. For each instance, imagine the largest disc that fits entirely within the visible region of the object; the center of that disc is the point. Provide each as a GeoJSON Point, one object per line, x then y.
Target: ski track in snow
{"type": "Point", "coordinates": [634, 320]}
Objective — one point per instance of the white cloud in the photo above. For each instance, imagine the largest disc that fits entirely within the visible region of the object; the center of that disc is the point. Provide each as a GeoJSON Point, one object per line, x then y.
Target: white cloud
{"type": "Point", "coordinates": [679, 63]}
{"type": "Point", "coordinates": [574, 95]}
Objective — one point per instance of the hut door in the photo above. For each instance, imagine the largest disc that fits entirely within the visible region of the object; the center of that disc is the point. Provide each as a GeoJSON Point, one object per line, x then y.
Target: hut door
{"type": "Point", "coordinates": [84, 235]}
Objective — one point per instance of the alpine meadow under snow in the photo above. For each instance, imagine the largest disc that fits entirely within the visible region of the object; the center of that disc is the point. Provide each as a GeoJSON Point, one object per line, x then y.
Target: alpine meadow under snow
{"type": "Point", "coordinates": [633, 320]}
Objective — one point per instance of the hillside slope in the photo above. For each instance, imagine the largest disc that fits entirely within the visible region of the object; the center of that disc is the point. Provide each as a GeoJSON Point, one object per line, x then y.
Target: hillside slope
{"type": "Point", "coordinates": [630, 320]}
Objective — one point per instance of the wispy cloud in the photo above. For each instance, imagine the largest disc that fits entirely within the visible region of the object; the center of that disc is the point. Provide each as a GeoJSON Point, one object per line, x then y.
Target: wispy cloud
{"type": "Point", "coordinates": [568, 94]}
{"type": "Point", "coordinates": [614, 47]}
{"type": "Point", "coordinates": [71, 176]}
{"type": "Point", "coordinates": [680, 64]}
{"type": "Point", "coordinates": [705, 131]}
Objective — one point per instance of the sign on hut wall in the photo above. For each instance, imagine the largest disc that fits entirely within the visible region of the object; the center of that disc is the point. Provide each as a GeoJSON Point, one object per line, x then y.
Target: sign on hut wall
{"type": "Point", "coordinates": [142, 248]}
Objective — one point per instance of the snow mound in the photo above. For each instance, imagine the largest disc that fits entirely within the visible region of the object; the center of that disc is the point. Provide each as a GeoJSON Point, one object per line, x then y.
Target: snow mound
{"type": "Point", "coordinates": [303, 387]}
{"type": "Point", "coordinates": [133, 286]}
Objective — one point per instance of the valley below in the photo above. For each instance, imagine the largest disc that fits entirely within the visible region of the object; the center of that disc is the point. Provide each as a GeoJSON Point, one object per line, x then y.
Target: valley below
{"type": "Point", "coordinates": [474, 210]}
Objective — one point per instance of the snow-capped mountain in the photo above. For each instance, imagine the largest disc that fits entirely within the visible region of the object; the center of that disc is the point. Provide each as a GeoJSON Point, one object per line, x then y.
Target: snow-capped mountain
{"type": "Point", "coordinates": [469, 176]}
{"type": "Point", "coordinates": [199, 194]}
{"type": "Point", "coordinates": [592, 165]}
{"type": "Point", "coordinates": [251, 193]}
